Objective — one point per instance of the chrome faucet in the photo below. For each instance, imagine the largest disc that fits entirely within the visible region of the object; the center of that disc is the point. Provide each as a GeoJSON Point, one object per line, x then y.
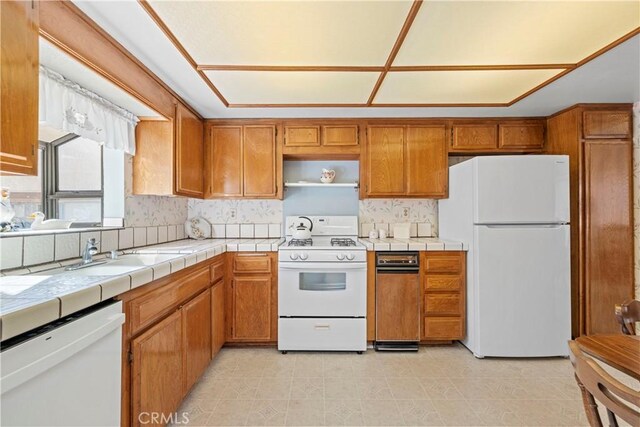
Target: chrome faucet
{"type": "Point", "coordinates": [90, 249]}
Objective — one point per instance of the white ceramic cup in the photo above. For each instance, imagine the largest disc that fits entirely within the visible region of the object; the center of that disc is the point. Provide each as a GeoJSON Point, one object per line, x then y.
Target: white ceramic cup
{"type": "Point", "coordinates": [373, 234]}
{"type": "Point", "coordinates": [382, 233]}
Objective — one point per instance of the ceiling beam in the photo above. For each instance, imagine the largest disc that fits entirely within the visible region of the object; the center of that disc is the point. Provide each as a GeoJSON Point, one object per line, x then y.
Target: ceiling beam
{"type": "Point", "coordinates": [413, 12]}
{"type": "Point", "coordinates": [160, 23]}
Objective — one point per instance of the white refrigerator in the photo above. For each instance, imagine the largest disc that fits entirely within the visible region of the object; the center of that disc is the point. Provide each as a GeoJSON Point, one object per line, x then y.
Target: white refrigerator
{"type": "Point", "coordinates": [513, 213]}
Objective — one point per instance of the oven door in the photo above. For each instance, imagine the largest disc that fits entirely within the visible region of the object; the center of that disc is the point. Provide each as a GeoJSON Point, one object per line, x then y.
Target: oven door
{"type": "Point", "coordinates": [322, 289]}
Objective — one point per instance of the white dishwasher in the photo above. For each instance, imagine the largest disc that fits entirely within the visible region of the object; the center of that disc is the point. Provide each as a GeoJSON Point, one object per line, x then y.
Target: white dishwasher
{"type": "Point", "coordinates": [66, 373]}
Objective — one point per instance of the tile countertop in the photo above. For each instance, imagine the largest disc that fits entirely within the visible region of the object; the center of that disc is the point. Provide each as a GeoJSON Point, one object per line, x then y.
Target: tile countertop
{"type": "Point", "coordinates": [413, 244]}
{"type": "Point", "coordinates": [29, 301]}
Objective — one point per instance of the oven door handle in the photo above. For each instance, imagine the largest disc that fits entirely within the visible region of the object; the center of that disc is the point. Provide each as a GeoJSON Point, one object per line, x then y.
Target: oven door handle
{"type": "Point", "coordinates": [321, 266]}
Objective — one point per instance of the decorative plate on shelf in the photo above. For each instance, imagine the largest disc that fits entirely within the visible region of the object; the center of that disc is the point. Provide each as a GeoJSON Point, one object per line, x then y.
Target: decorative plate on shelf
{"type": "Point", "coordinates": [197, 228]}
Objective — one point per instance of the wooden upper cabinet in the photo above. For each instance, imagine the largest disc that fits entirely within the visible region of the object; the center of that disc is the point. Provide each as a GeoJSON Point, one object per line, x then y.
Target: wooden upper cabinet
{"type": "Point", "coordinates": [409, 161]}
{"type": "Point", "coordinates": [157, 369]}
{"type": "Point", "coordinates": [301, 136]}
{"type": "Point", "coordinates": [259, 161]}
{"type": "Point", "coordinates": [243, 161]}
{"type": "Point", "coordinates": [521, 136]}
{"type": "Point", "coordinates": [19, 87]}
{"type": "Point", "coordinates": [606, 124]}
{"type": "Point", "coordinates": [318, 139]}
{"type": "Point", "coordinates": [169, 156]}
{"type": "Point", "coordinates": [427, 161]}
{"type": "Point", "coordinates": [196, 332]}
{"type": "Point", "coordinates": [474, 137]}
{"type": "Point", "coordinates": [385, 161]}
{"type": "Point", "coordinates": [189, 146]}
{"type": "Point", "coordinates": [340, 135]}
{"type": "Point", "coordinates": [224, 162]}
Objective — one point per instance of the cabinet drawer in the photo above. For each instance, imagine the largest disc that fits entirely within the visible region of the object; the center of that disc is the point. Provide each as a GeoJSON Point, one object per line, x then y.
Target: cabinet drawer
{"type": "Point", "coordinates": [322, 334]}
{"type": "Point", "coordinates": [444, 263]}
{"type": "Point", "coordinates": [449, 304]}
{"type": "Point", "coordinates": [301, 136]}
{"type": "Point", "coordinates": [340, 135]}
{"type": "Point", "coordinates": [149, 307]}
{"type": "Point", "coordinates": [217, 271]}
{"type": "Point", "coordinates": [443, 328]}
{"type": "Point", "coordinates": [444, 282]}
{"type": "Point", "coordinates": [252, 263]}
{"type": "Point", "coordinates": [607, 124]}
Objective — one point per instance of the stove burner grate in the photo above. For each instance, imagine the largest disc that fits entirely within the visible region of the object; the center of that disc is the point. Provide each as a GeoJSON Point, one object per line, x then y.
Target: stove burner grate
{"type": "Point", "coordinates": [300, 242]}
{"type": "Point", "coordinates": [342, 241]}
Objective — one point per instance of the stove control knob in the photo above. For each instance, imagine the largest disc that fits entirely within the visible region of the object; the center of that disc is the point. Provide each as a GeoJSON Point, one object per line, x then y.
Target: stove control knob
{"type": "Point", "coordinates": [350, 257]}
{"type": "Point", "coordinates": [293, 256]}
{"type": "Point", "coordinates": [304, 256]}
{"type": "Point", "coordinates": [340, 257]}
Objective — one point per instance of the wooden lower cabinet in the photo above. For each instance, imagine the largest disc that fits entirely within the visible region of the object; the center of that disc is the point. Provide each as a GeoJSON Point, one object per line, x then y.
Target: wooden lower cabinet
{"type": "Point", "coordinates": [443, 295]}
{"type": "Point", "coordinates": [196, 337]}
{"type": "Point", "coordinates": [394, 291]}
{"type": "Point", "coordinates": [156, 370]}
{"type": "Point", "coordinates": [218, 326]}
{"type": "Point", "coordinates": [252, 293]}
{"type": "Point", "coordinates": [173, 328]}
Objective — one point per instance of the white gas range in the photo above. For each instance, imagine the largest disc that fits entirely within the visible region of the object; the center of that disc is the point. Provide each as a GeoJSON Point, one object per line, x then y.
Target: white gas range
{"type": "Point", "coordinates": [322, 287]}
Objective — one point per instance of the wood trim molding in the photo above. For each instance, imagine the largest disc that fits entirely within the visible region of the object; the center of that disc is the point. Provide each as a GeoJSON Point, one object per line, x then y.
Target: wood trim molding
{"type": "Point", "coordinates": [508, 67]}
{"type": "Point", "coordinates": [579, 64]}
{"type": "Point", "coordinates": [413, 12]}
{"type": "Point", "coordinates": [71, 30]}
{"type": "Point", "coordinates": [174, 40]}
{"type": "Point", "coordinates": [329, 68]}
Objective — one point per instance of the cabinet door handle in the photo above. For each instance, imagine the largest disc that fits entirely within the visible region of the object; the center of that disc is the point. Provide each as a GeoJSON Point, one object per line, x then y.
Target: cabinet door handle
{"type": "Point", "coordinates": [322, 326]}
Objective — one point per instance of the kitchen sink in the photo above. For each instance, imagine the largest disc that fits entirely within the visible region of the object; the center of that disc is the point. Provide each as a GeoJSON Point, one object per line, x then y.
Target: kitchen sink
{"type": "Point", "coordinates": [122, 265]}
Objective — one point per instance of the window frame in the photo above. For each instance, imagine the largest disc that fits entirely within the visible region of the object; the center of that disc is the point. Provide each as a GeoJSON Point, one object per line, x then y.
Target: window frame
{"type": "Point", "coordinates": [50, 176]}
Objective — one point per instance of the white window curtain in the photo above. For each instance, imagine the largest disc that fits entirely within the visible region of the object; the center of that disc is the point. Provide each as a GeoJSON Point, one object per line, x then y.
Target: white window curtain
{"type": "Point", "coordinates": [67, 106]}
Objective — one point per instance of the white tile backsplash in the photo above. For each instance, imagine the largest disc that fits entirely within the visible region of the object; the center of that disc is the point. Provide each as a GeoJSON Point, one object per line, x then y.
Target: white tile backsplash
{"type": "Point", "coordinates": [275, 230]}
{"type": "Point", "coordinates": [67, 246]}
{"type": "Point", "coordinates": [152, 235]}
{"type": "Point", "coordinates": [171, 233]}
{"type": "Point", "coordinates": [232, 231]}
{"type": "Point", "coordinates": [125, 238]}
{"type": "Point", "coordinates": [109, 241]}
{"type": "Point", "coordinates": [246, 231]}
{"type": "Point", "coordinates": [38, 249]}
{"type": "Point", "coordinates": [218, 231]}
{"type": "Point", "coordinates": [139, 236]}
{"type": "Point", "coordinates": [261, 231]}
{"type": "Point", "coordinates": [162, 233]}
{"type": "Point", "coordinates": [10, 252]}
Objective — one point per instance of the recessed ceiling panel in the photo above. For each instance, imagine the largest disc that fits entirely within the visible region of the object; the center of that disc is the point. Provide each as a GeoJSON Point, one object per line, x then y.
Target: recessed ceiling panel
{"type": "Point", "coordinates": [294, 87]}
{"type": "Point", "coordinates": [459, 87]}
{"type": "Point", "coordinates": [323, 33]}
{"type": "Point", "coordinates": [515, 32]}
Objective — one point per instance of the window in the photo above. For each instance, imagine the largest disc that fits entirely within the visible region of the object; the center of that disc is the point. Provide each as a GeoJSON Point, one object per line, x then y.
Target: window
{"type": "Point", "coordinates": [69, 184]}
{"type": "Point", "coordinates": [75, 180]}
